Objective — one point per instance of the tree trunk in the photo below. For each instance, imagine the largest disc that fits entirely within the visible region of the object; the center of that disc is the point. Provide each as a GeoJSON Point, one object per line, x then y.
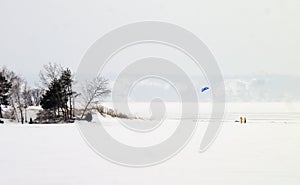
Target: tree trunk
{"type": "Point", "coordinates": [73, 112]}
{"type": "Point", "coordinates": [1, 111]}
{"type": "Point", "coordinates": [25, 115]}
{"type": "Point", "coordinates": [70, 102]}
{"type": "Point", "coordinates": [22, 116]}
{"type": "Point", "coordinates": [87, 105]}
{"type": "Point", "coordinates": [15, 111]}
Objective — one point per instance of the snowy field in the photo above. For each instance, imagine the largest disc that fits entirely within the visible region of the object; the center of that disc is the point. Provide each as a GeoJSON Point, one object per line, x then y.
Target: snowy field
{"type": "Point", "coordinates": [264, 151]}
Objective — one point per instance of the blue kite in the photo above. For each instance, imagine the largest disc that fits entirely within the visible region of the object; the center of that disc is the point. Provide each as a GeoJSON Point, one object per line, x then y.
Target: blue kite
{"type": "Point", "coordinates": [204, 89]}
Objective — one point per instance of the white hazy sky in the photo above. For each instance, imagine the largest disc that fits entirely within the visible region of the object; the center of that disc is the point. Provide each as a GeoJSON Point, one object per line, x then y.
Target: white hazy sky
{"type": "Point", "coordinates": [247, 37]}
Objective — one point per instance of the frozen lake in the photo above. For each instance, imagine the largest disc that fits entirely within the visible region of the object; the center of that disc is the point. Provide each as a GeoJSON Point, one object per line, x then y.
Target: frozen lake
{"type": "Point", "coordinates": [264, 151]}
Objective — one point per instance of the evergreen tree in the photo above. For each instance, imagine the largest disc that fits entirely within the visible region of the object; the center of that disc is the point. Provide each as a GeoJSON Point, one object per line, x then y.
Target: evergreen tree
{"type": "Point", "coordinates": [54, 99]}
{"type": "Point", "coordinates": [4, 89]}
{"type": "Point", "coordinates": [66, 82]}
{"type": "Point", "coordinates": [58, 95]}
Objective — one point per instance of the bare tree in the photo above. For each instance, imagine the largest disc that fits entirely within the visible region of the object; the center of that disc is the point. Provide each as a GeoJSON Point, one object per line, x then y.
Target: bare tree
{"type": "Point", "coordinates": [51, 71]}
{"type": "Point", "coordinates": [94, 91]}
{"type": "Point", "coordinates": [19, 95]}
{"type": "Point", "coordinates": [36, 96]}
{"type": "Point", "coordinates": [26, 99]}
{"type": "Point", "coordinates": [17, 100]}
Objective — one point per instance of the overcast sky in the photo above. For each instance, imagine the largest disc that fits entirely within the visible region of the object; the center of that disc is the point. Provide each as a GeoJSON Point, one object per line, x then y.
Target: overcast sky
{"type": "Point", "coordinates": [254, 37]}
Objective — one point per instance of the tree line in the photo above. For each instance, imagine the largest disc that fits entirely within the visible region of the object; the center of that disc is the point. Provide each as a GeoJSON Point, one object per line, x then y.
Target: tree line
{"type": "Point", "coordinates": [55, 95]}
{"type": "Point", "coordinates": [14, 92]}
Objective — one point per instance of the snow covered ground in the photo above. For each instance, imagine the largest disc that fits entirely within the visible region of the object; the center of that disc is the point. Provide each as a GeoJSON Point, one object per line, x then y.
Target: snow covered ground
{"type": "Point", "coordinates": [264, 151]}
